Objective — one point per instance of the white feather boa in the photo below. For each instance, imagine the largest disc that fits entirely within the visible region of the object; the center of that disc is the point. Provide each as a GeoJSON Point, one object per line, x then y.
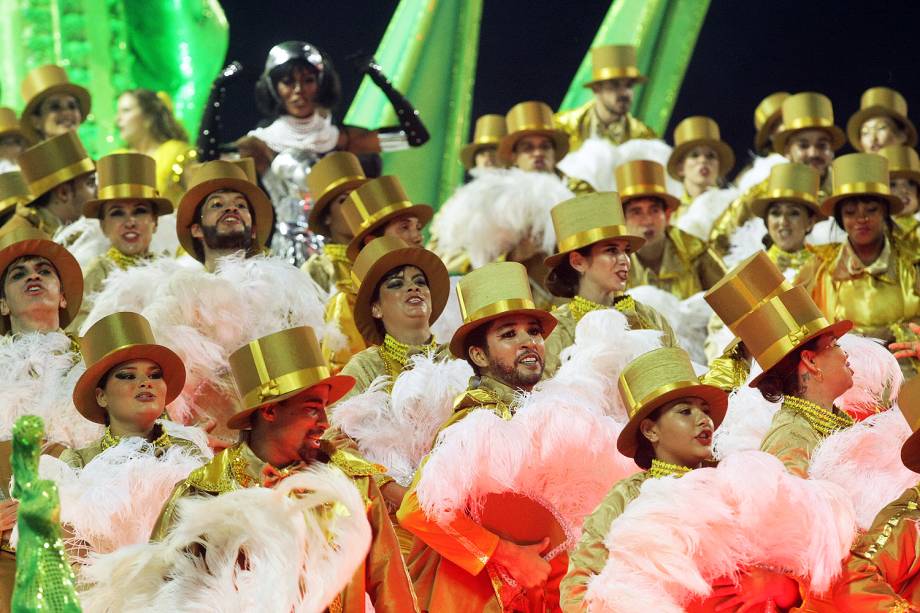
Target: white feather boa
{"type": "Point", "coordinates": [37, 377]}
{"type": "Point", "coordinates": [688, 318]}
{"type": "Point", "coordinates": [450, 319]}
{"type": "Point", "coordinates": [595, 161]}
{"type": "Point", "coordinates": [759, 170]}
{"type": "Point", "coordinates": [826, 232]}
{"type": "Point", "coordinates": [705, 210]}
{"type": "Point", "coordinates": [299, 555]}
{"type": "Point", "coordinates": [680, 535]}
{"type": "Point", "coordinates": [496, 211]}
{"type": "Point", "coordinates": [745, 241]}
{"type": "Point", "coordinates": [397, 430]}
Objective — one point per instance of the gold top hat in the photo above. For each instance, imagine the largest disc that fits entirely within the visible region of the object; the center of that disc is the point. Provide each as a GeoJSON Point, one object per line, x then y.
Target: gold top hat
{"type": "Point", "coordinates": [207, 179]}
{"type": "Point", "coordinates": [903, 162]}
{"type": "Point", "coordinates": [614, 62]}
{"type": "Point", "coordinates": [29, 241]}
{"type": "Point", "coordinates": [9, 123]}
{"type": "Point", "coordinates": [116, 339]}
{"type": "Point", "coordinates": [585, 220]}
{"type": "Point", "coordinates": [909, 403]}
{"type": "Point", "coordinates": [745, 287]}
{"type": "Point", "coordinates": [54, 162]}
{"type": "Point", "coordinates": [280, 366]}
{"type": "Point", "coordinates": [881, 102]}
{"type": "Point", "coordinates": [126, 176]}
{"type": "Point", "coordinates": [495, 290]}
{"type": "Point", "coordinates": [41, 83]}
{"type": "Point", "coordinates": [338, 172]}
{"type": "Point", "coordinates": [529, 119]}
{"type": "Point", "coordinates": [767, 115]}
{"type": "Point", "coordinates": [806, 111]}
{"type": "Point", "coordinates": [376, 203]}
{"type": "Point", "coordinates": [376, 260]}
{"type": "Point", "coordinates": [699, 130]}
{"type": "Point", "coordinates": [783, 324]}
{"type": "Point", "coordinates": [13, 190]}
{"type": "Point", "coordinates": [790, 183]}
{"type": "Point", "coordinates": [643, 179]}
{"type": "Point", "coordinates": [653, 380]}
{"type": "Point", "coordinates": [861, 174]}
{"type": "Point", "coordinates": [247, 165]}
{"type": "Point", "coordinates": [489, 131]}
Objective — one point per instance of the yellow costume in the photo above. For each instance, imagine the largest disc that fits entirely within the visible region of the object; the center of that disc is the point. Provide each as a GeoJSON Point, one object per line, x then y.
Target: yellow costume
{"type": "Point", "coordinates": [173, 157]}
{"type": "Point", "coordinates": [340, 308]}
{"type": "Point", "coordinates": [687, 266]}
{"type": "Point", "coordinates": [161, 441]}
{"type": "Point", "coordinates": [904, 163]}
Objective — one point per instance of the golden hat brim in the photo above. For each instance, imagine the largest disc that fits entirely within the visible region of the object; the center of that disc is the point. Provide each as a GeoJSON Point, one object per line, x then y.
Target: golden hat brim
{"type": "Point", "coordinates": [520, 519]}
{"type": "Point", "coordinates": [560, 140]}
{"type": "Point", "coordinates": [84, 393]}
{"type": "Point", "coordinates": [314, 219]}
{"type": "Point", "coordinates": [10, 203]}
{"type": "Point", "coordinates": [547, 321]}
{"type": "Point", "coordinates": [635, 243]}
{"type": "Point", "coordinates": [911, 175]}
{"type": "Point", "coordinates": [263, 212]}
{"type": "Point", "coordinates": [759, 206]}
{"type": "Point", "coordinates": [838, 138]}
{"type": "Point", "coordinates": [854, 124]}
{"type": "Point", "coordinates": [423, 212]}
{"type": "Point", "coordinates": [435, 272]}
{"type": "Point", "coordinates": [468, 153]}
{"type": "Point", "coordinates": [67, 267]}
{"type": "Point", "coordinates": [80, 93]}
{"type": "Point", "coordinates": [339, 385]}
{"type": "Point", "coordinates": [671, 202]}
{"type": "Point", "coordinates": [895, 204]}
{"type": "Point", "coordinates": [762, 137]}
{"type": "Point", "coordinates": [725, 153]}
{"type": "Point", "coordinates": [717, 399]}
{"type": "Point", "coordinates": [625, 74]}
{"type": "Point", "coordinates": [838, 329]}
{"type": "Point", "coordinates": [92, 209]}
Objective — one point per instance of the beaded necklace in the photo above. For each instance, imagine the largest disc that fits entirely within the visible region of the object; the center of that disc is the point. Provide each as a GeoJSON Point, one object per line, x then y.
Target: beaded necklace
{"type": "Point", "coordinates": [666, 469]}
{"type": "Point", "coordinates": [123, 260]}
{"type": "Point", "coordinates": [336, 252]}
{"type": "Point", "coordinates": [110, 440]}
{"type": "Point", "coordinates": [395, 355]}
{"type": "Point", "coordinates": [580, 306]}
{"type": "Point", "coordinates": [823, 421]}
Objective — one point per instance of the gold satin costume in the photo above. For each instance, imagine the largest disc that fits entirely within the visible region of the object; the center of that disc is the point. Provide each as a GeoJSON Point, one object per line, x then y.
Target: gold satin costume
{"type": "Point", "coordinates": [798, 427]}
{"type": "Point", "coordinates": [332, 268]}
{"type": "Point", "coordinates": [582, 123]}
{"type": "Point", "coordinates": [787, 261]}
{"type": "Point", "coordinates": [173, 157]}
{"type": "Point", "coordinates": [688, 266]}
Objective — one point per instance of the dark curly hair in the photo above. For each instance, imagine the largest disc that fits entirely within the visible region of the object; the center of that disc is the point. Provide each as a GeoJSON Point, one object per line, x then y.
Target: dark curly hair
{"type": "Point", "coordinates": [563, 279]}
{"type": "Point", "coordinates": [838, 210]}
{"type": "Point", "coordinates": [783, 379]}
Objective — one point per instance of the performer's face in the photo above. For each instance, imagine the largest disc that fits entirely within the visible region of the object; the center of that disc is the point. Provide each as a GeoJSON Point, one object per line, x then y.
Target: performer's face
{"type": "Point", "coordinates": [297, 91]}
{"type": "Point", "coordinates": [616, 95]}
{"type": "Point", "coordinates": [648, 218]}
{"type": "Point", "coordinates": [226, 221]}
{"type": "Point", "coordinates": [534, 154]}
{"type": "Point", "coordinates": [607, 267]}
{"type": "Point", "coordinates": [832, 361]}
{"type": "Point", "coordinates": [788, 223]}
{"type": "Point", "coordinates": [406, 227]}
{"type": "Point", "coordinates": [682, 434]}
{"type": "Point", "coordinates": [335, 220]}
{"type": "Point", "coordinates": [404, 299]}
{"type": "Point", "coordinates": [906, 190]}
{"type": "Point", "coordinates": [514, 351]}
{"type": "Point", "coordinates": [11, 147]}
{"type": "Point", "coordinates": [486, 157]}
{"type": "Point", "coordinates": [130, 120]}
{"type": "Point", "coordinates": [700, 166]}
{"type": "Point", "coordinates": [863, 220]}
{"type": "Point", "coordinates": [133, 394]}
{"type": "Point", "coordinates": [72, 195]}
{"type": "Point", "coordinates": [129, 226]}
{"type": "Point", "coordinates": [297, 425]}
{"type": "Point", "coordinates": [878, 132]}
{"type": "Point", "coordinates": [57, 114]}
{"type": "Point", "coordinates": [811, 147]}
{"type": "Point", "coordinates": [31, 284]}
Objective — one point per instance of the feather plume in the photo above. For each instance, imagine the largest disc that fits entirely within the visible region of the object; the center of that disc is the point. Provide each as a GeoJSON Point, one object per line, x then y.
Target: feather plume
{"type": "Point", "coordinates": [688, 318]}
{"type": "Point", "coordinates": [877, 377]}
{"type": "Point", "coordinates": [450, 320]}
{"type": "Point", "coordinates": [746, 422]}
{"type": "Point", "coordinates": [705, 210]}
{"type": "Point", "coordinates": [299, 556]}
{"type": "Point", "coordinates": [745, 242]}
{"type": "Point", "coordinates": [593, 163]}
{"type": "Point", "coordinates": [759, 170]}
{"type": "Point", "coordinates": [84, 239]}
{"type": "Point", "coordinates": [826, 232]}
{"type": "Point", "coordinates": [653, 149]}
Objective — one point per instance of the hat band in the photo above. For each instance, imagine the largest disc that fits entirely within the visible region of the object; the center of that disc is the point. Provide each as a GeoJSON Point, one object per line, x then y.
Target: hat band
{"type": "Point", "coordinates": [338, 182]}
{"type": "Point", "coordinates": [606, 73]}
{"type": "Point", "coordinates": [770, 357]}
{"type": "Point", "coordinates": [801, 123]}
{"type": "Point", "coordinates": [742, 288]}
{"type": "Point", "coordinates": [484, 141]}
{"type": "Point", "coordinates": [61, 175]}
{"type": "Point", "coordinates": [370, 219]}
{"type": "Point", "coordinates": [502, 306]}
{"type": "Point", "coordinates": [531, 127]}
{"type": "Point", "coordinates": [785, 193]}
{"type": "Point", "coordinates": [863, 187]}
{"type": "Point", "coordinates": [635, 406]}
{"type": "Point", "coordinates": [285, 384]}
{"type": "Point", "coordinates": [127, 191]}
{"type": "Point", "coordinates": [589, 237]}
{"type": "Point", "coordinates": [643, 189]}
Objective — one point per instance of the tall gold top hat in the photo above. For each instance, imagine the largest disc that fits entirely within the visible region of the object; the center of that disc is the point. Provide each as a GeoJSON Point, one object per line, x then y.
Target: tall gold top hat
{"type": "Point", "coordinates": [806, 111]}
{"type": "Point", "coordinates": [656, 378]}
{"type": "Point", "coordinates": [376, 203]}
{"type": "Point", "coordinates": [529, 119]}
{"type": "Point", "coordinates": [881, 102]}
{"type": "Point", "coordinates": [26, 241]}
{"type": "Point", "coordinates": [54, 162]}
{"type": "Point", "coordinates": [585, 220]}
{"type": "Point", "coordinates": [43, 82]}
{"type": "Point", "coordinates": [614, 62]}
{"type": "Point", "coordinates": [909, 403]}
{"type": "Point", "coordinates": [790, 183]}
{"type": "Point", "coordinates": [495, 290]}
{"type": "Point", "coordinates": [861, 174]}
{"type": "Point", "coordinates": [113, 340]}
{"type": "Point", "coordinates": [207, 179]}
{"type": "Point", "coordinates": [13, 191]}
{"type": "Point", "coordinates": [699, 130]}
{"type": "Point", "coordinates": [748, 285]}
{"type": "Point", "coordinates": [126, 176]}
{"type": "Point", "coordinates": [376, 260]}
{"type": "Point", "coordinates": [643, 179]}
{"type": "Point", "coordinates": [9, 123]}
{"type": "Point", "coordinates": [280, 366]}
{"type": "Point", "coordinates": [903, 162]}
{"type": "Point", "coordinates": [783, 324]}
{"type": "Point", "coordinates": [767, 115]}
{"type": "Point", "coordinates": [488, 132]}
{"type": "Point", "coordinates": [338, 172]}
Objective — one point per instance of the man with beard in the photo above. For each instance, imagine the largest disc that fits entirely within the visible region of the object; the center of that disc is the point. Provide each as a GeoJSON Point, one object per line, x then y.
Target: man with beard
{"type": "Point", "coordinates": [807, 136]}
{"type": "Point", "coordinates": [614, 75]}
{"type": "Point", "coordinates": [222, 213]}
{"type": "Point", "coordinates": [502, 339]}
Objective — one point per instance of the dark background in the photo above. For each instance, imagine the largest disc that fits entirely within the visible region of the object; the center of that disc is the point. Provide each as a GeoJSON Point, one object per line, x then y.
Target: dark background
{"type": "Point", "coordinates": [530, 50]}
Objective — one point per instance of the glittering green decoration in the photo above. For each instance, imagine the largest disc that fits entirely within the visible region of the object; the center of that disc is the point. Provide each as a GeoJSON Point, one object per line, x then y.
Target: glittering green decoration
{"type": "Point", "coordinates": [44, 579]}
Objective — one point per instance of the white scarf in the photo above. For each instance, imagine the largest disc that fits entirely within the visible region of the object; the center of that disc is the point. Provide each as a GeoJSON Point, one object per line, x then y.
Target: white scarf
{"type": "Point", "coordinates": [315, 133]}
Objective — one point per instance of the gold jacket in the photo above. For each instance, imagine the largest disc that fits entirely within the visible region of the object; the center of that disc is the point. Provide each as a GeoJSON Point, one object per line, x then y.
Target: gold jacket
{"type": "Point", "coordinates": [32, 217]}
{"type": "Point", "coordinates": [173, 157]}
{"type": "Point", "coordinates": [582, 123]}
{"type": "Point", "coordinates": [688, 266]}
{"type": "Point", "coordinates": [794, 434]}
{"type": "Point", "coordinates": [906, 234]}
{"type": "Point", "coordinates": [383, 575]}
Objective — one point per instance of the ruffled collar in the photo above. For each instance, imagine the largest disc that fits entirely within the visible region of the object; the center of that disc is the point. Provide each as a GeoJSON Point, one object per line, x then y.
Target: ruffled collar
{"type": "Point", "coordinates": [313, 133]}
